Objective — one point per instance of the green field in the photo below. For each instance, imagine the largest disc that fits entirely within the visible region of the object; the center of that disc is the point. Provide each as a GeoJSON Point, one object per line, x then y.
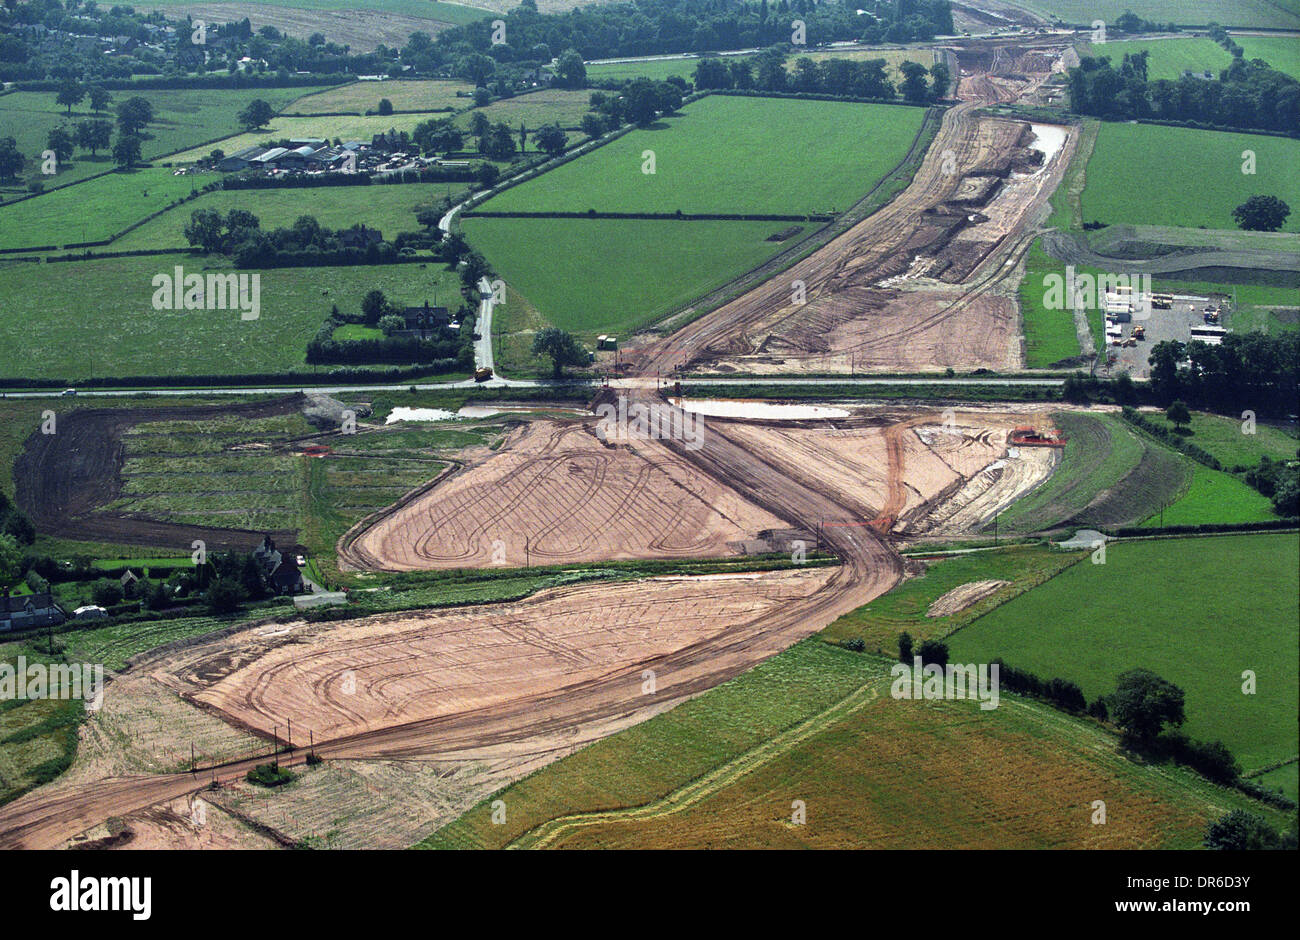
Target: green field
{"type": "Point", "coordinates": [657, 70]}
{"type": "Point", "coordinates": [1196, 611]}
{"type": "Point", "coordinates": [96, 209]}
{"type": "Point", "coordinates": [410, 95]}
{"type": "Point", "coordinates": [1277, 14]}
{"type": "Point", "coordinates": [601, 275]}
{"type": "Point", "coordinates": [183, 118]}
{"type": "Point", "coordinates": [1214, 497]}
{"type": "Point", "coordinates": [68, 334]}
{"type": "Point", "coordinates": [1050, 335]}
{"type": "Point", "coordinates": [1167, 57]}
{"type": "Point", "coordinates": [455, 13]}
{"type": "Point", "coordinates": [1285, 778]}
{"type": "Point", "coordinates": [1226, 439]}
{"type": "Point", "coordinates": [1125, 185]}
{"type": "Point", "coordinates": [903, 609]}
{"type": "Point", "coordinates": [762, 168]}
{"type": "Point", "coordinates": [722, 771]}
{"type": "Point", "coordinates": [1281, 52]}
{"type": "Point", "coordinates": [549, 106]}
{"type": "Point", "coordinates": [390, 208]}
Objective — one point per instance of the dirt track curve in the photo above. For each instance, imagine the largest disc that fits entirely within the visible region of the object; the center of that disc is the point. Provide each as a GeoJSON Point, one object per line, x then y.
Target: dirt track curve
{"type": "Point", "coordinates": [559, 719]}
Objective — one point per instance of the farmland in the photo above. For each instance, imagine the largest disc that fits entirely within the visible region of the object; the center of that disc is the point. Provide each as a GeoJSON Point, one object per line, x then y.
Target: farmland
{"type": "Point", "coordinates": [763, 170]}
{"type": "Point", "coordinates": [722, 770]}
{"type": "Point", "coordinates": [1204, 12]}
{"type": "Point", "coordinates": [183, 118]}
{"type": "Point", "coordinates": [93, 210]}
{"type": "Point", "coordinates": [345, 127]}
{"type": "Point", "coordinates": [1278, 51]}
{"type": "Point", "coordinates": [1118, 170]}
{"type": "Point", "coordinates": [1050, 335]}
{"type": "Point", "coordinates": [551, 106]}
{"type": "Point", "coordinates": [73, 340]}
{"type": "Point", "coordinates": [360, 97]}
{"type": "Point", "coordinates": [1167, 58]}
{"type": "Point", "coordinates": [1228, 441]}
{"type": "Point", "coordinates": [549, 262]}
{"type": "Point", "coordinates": [389, 208]}
{"type": "Point", "coordinates": [1214, 497]}
{"type": "Point", "coordinates": [1147, 606]}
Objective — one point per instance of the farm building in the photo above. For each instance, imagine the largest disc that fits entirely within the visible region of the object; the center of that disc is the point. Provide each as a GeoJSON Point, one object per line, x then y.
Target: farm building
{"type": "Point", "coordinates": [281, 569]}
{"type": "Point", "coordinates": [30, 610]}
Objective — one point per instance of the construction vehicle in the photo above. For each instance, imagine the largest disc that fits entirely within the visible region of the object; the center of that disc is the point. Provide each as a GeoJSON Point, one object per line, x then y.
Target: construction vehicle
{"type": "Point", "coordinates": [1162, 301]}
{"type": "Point", "coordinates": [1212, 316]}
{"type": "Point", "coordinates": [482, 374]}
{"type": "Point", "coordinates": [1027, 436]}
{"type": "Point", "coordinates": [1139, 332]}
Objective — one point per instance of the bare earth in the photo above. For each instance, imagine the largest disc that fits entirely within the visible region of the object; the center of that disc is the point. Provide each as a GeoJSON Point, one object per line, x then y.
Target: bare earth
{"type": "Point", "coordinates": [926, 283]}
{"type": "Point", "coordinates": [962, 596]}
{"type": "Point", "coordinates": [556, 494]}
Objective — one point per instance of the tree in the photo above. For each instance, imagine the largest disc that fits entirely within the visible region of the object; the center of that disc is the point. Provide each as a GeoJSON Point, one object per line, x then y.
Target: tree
{"type": "Point", "coordinates": [437, 136]}
{"type": "Point", "coordinates": [479, 124]}
{"type": "Point", "coordinates": [11, 159]}
{"type": "Point", "coordinates": [134, 115]}
{"type": "Point", "coordinates": [914, 86]}
{"type": "Point", "coordinates": [257, 114]}
{"type": "Point", "coordinates": [593, 125]}
{"type": "Point", "coordinates": [561, 347]}
{"type": "Point", "coordinates": [385, 106]}
{"type": "Point", "coordinates": [940, 78]}
{"type": "Point", "coordinates": [71, 92]}
{"type": "Point", "coordinates": [498, 143]}
{"type": "Point", "coordinates": [487, 174]}
{"type": "Point", "coordinates": [106, 592]}
{"type": "Point", "coordinates": [1178, 414]}
{"type": "Point", "coordinates": [204, 229]}
{"type": "Point", "coordinates": [481, 97]}
{"type": "Point", "coordinates": [60, 140]}
{"type": "Point", "coordinates": [391, 323]}
{"type": "Point", "coordinates": [224, 595]}
{"type": "Point", "coordinates": [126, 152]}
{"type": "Point", "coordinates": [551, 139]}
{"type": "Point", "coordinates": [374, 306]}
{"type": "Point", "coordinates": [476, 68]}
{"type": "Point", "coordinates": [1143, 704]}
{"type": "Point", "coordinates": [99, 98]}
{"type": "Point", "coordinates": [905, 648]}
{"type": "Point", "coordinates": [11, 561]}
{"type": "Point", "coordinates": [932, 651]}
{"type": "Point", "coordinates": [1261, 214]}
{"type": "Point", "coordinates": [1241, 830]}
{"type": "Point", "coordinates": [570, 72]}
{"type": "Point", "coordinates": [94, 136]}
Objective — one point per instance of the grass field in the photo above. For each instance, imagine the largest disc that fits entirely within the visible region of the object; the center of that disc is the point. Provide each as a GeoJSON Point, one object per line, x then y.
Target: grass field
{"type": "Point", "coordinates": [550, 106]}
{"type": "Point", "coordinates": [1285, 779]}
{"type": "Point", "coordinates": [1214, 497]}
{"type": "Point", "coordinates": [723, 770]}
{"type": "Point", "coordinates": [1226, 440]}
{"type": "Point", "coordinates": [1201, 13]}
{"type": "Point", "coordinates": [118, 333]}
{"type": "Point", "coordinates": [1125, 185]}
{"type": "Point", "coordinates": [602, 275]}
{"type": "Point", "coordinates": [96, 209]}
{"type": "Point", "coordinates": [1281, 52]}
{"type": "Point", "coordinates": [38, 738]}
{"type": "Point", "coordinates": [1167, 57]}
{"type": "Point", "coordinates": [361, 97]}
{"type": "Point", "coordinates": [389, 208]}
{"type": "Point", "coordinates": [762, 169]}
{"type": "Point", "coordinates": [1196, 611]}
{"type": "Point", "coordinates": [879, 623]}
{"type": "Point", "coordinates": [658, 69]}
{"type": "Point", "coordinates": [455, 13]}
{"type": "Point", "coordinates": [183, 118]}
{"type": "Point", "coordinates": [1050, 335]}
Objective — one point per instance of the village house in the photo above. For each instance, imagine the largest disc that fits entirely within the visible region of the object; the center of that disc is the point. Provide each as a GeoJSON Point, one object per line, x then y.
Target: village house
{"type": "Point", "coordinates": [25, 611]}
{"type": "Point", "coordinates": [281, 569]}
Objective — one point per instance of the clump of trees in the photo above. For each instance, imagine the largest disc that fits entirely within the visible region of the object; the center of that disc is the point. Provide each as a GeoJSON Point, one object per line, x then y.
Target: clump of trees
{"type": "Point", "coordinates": [841, 77]}
{"type": "Point", "coordinates": [1261, 214]}
{"type": "Point", "coordinates": [561, 348]}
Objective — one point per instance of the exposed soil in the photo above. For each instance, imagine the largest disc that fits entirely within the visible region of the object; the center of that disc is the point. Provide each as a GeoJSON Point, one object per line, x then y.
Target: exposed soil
{"type": "Point", "coordinates": [925, 283]}
{"type": "Point", "coordinates": [962, 596]}
{"type": "Point", "coordinates": [62, 479]}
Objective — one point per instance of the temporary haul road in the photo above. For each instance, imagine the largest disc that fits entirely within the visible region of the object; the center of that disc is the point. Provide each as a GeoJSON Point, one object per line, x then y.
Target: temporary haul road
{"type": "Point", "coordinates": [553, 720]}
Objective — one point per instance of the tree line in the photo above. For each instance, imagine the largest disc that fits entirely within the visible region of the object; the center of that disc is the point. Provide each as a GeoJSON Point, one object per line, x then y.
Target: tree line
{"type": "Point", "coordinates": [840, 77]}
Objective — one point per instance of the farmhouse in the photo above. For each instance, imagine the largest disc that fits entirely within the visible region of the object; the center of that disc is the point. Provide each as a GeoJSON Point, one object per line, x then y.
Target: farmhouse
{"type": "Point", "coordinates": [30, 610]}
{"type": "Point", "coordinates": [281, 569]}
{"type": "Point", "coordinates": [421, 321]}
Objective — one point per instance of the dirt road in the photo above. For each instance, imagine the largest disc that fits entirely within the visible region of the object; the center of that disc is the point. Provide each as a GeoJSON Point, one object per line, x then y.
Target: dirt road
{"type": "Point", "coordinates": [554, 720]}
{"type": "Point", "coordinates": [918, 285]}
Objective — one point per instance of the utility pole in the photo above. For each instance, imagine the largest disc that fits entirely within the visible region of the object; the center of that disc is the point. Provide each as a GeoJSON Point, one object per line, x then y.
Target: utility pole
{"type": "Point", "coordinates": [192, 768]}
{"type": "Point", "coordinates": [291, 734]}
